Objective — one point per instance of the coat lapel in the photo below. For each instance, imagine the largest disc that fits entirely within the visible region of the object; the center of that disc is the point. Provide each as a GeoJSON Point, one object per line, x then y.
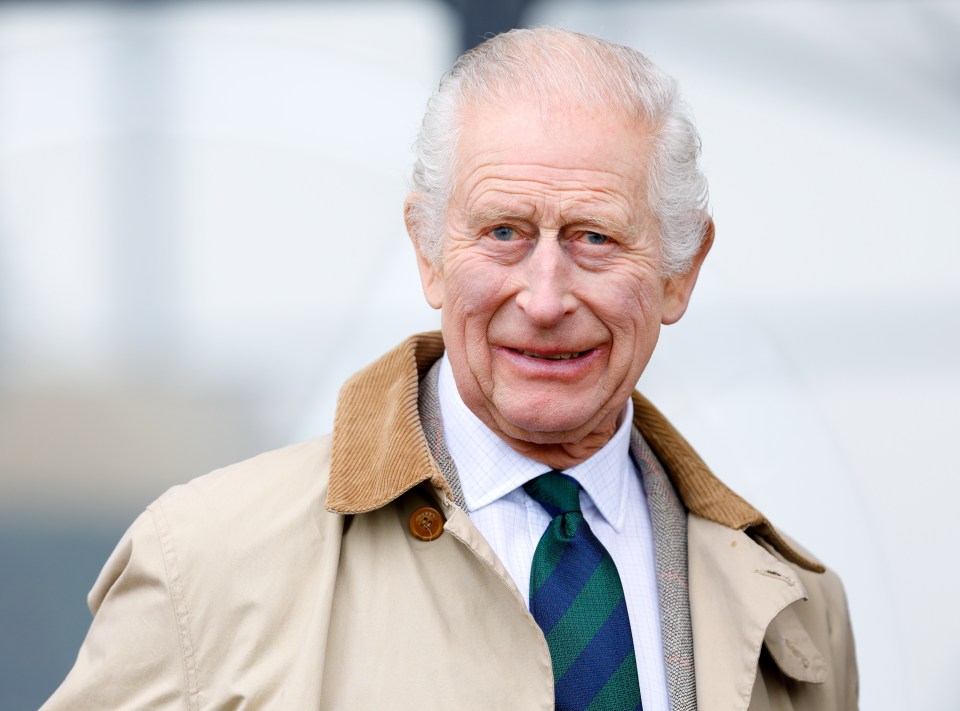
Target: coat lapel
{"type": "Point", "coordinates": [739, 594]}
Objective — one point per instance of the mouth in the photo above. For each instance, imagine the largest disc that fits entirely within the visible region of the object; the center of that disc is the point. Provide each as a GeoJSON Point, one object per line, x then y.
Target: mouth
{"type": "Point", "coordinates": [556, 365]}
{"type": "Point", "coordinates": [550, 356]}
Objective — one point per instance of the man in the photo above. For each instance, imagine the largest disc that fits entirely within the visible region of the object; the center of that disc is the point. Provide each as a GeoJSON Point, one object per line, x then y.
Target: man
{"type": "Point", "coordinates": [497, 521]}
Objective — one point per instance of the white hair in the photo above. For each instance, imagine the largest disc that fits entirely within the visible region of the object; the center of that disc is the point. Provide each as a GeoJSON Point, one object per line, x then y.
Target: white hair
{"type": "Point", "coordinates": [554, 64]}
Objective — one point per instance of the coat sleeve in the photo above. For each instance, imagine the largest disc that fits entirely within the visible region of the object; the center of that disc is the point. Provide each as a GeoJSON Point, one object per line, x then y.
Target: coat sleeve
{"type": "Point", "coordinates": [842, 644]}
{"type": "Point", "coordinates": [138, 651]}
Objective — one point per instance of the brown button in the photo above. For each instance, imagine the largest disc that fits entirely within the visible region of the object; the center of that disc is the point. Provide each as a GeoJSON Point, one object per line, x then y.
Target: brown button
{"type": "Point", "coordinates": [426, 524]}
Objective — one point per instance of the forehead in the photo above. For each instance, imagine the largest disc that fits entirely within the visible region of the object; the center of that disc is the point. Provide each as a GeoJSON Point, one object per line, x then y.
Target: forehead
{"type": "Point", "coordinates": [546, 147]}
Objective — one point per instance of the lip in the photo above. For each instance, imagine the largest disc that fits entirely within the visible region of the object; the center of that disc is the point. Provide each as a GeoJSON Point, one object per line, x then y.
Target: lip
{"type": "Point", "coordinates": [551, 354]}
{"type": "Point", "coordinates": [566, 369]}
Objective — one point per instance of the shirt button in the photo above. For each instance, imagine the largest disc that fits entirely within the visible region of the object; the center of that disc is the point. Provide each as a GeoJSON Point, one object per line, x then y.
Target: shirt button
{"type": "Point", "coordinates": [426, 524]}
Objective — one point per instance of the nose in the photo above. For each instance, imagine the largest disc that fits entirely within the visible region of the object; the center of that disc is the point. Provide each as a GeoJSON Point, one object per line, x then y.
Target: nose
{"type": "Point", "coordinates": [546, 293]}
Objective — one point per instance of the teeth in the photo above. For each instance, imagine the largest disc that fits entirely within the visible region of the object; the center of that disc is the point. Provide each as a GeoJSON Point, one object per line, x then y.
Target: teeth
{"type": "Point", "coordinates": [561, 356]}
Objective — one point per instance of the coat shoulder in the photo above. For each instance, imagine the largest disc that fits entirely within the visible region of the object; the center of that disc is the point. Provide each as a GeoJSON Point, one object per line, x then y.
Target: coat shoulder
{"type": "Point", "coordinates": [231, 534]}
{"type": "Point", "coordinates": [291, 481]}
{"type": "Point", "coordinates": [202, 579]}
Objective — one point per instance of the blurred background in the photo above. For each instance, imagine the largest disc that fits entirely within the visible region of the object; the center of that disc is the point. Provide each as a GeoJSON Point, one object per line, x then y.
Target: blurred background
{"type": "Point", "coordinates": [201, 237]}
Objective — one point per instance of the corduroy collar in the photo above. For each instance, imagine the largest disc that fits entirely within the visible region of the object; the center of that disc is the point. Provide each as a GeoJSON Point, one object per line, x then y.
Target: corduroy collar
{"type": "Point", "coordinates": [379, 450]}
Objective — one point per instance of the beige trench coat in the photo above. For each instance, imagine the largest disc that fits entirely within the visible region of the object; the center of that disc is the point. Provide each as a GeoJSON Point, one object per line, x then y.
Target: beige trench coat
{"type": "Point", "coordinates": [292, 581]}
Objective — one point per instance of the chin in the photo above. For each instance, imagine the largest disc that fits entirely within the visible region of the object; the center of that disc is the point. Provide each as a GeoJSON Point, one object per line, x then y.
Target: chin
{"type": "Point", "coordinates": [544, 426]}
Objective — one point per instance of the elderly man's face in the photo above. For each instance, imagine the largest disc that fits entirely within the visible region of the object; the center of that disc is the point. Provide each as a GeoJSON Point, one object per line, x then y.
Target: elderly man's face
{"type": "Point", "coordinates": [550, 287]}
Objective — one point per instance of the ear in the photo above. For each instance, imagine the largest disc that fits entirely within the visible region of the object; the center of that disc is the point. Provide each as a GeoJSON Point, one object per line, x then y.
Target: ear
{"type": "Point", "coordinates": [431, 275]}
{"type": "Point", "coordinates": [678, 288]}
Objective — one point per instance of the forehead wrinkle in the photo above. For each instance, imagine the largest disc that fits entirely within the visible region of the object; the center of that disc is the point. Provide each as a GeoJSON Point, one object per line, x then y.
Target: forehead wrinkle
{"type": "Point", "coordinates": [542, 187]}
{"type": "Point", "coordinates": [495, 199]}
{"type": "Point", "coordinates": [549, 194]}
{"type": "Point", "coordinates": [559, 176]}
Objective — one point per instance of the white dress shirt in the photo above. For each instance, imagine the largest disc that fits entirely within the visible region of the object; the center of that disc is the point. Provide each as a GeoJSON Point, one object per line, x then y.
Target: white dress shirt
{"type": "Point", "coordinates": [613, 502]}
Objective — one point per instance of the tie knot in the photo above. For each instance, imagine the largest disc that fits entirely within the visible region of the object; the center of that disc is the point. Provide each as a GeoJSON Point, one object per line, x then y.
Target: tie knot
{"type": "Point", "coordinates": [556, 492]}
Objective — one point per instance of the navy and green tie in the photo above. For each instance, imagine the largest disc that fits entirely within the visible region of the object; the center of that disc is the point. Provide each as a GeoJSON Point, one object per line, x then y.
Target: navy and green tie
{"type": "Point", "coordinates": [577, 599]}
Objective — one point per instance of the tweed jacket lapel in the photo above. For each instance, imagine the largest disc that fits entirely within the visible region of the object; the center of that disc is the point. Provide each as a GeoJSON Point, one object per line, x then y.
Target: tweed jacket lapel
{"type": "Point", "coordinates": [428, 404]}
{"type": "Point", "coordinates": [669, 520]}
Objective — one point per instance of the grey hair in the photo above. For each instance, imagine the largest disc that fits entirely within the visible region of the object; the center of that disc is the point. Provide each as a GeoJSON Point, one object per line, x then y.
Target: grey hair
{"type": "Point", "coordinates": [557, 64]}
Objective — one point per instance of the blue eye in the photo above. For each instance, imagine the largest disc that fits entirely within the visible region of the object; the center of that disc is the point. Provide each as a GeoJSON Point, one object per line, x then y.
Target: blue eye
{"type": "Point", "coordinates": [503, 234]}
{"type": "Point", "coordinates": [596, 238]}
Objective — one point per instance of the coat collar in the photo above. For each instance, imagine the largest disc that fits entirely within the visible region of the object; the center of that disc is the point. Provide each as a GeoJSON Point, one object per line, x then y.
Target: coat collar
{"type": "Point", "coordinates": [379, 450]}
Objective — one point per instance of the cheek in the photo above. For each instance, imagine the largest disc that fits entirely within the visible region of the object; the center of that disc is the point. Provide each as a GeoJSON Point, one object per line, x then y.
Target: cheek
{"type": "Point", "coordinates": [630, 308]}
{"type": "Point", "coordinates": [476, 289]}
{"type": "Point", "coordinates": [628, 305]}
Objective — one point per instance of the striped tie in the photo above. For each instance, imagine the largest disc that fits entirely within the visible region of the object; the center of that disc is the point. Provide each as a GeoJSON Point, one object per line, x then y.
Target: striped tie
{"type": "Point", "coordinates": [577, 599]}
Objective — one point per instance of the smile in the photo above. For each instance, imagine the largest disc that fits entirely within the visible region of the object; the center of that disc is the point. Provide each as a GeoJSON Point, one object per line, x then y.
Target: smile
{"type": "Point", "coordinates": [553, 356]}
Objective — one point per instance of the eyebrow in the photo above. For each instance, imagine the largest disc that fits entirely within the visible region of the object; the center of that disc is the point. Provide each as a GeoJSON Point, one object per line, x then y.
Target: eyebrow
{"type": "Point", "coordinates": [493, 214]}
{"type": "Point", "coordinates": [604, 224]}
